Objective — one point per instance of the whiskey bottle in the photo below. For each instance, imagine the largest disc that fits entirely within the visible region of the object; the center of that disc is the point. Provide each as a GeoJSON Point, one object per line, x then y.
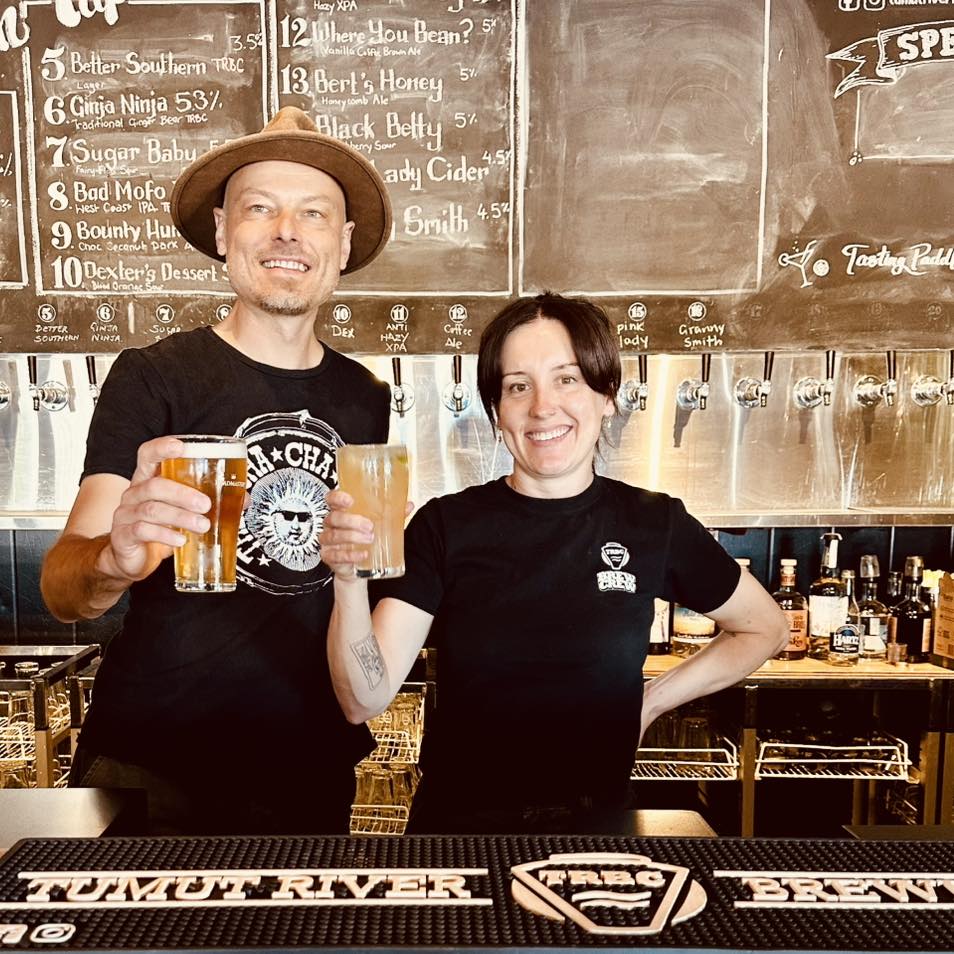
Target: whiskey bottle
{"type": "Point", "coordinates": [848, 578]}
{"type": "Point", "coordinates": [929, 588]}
{"type": "Point", "coordinates": [691, 631]}
{"type": "Point", "coordinates": [893, 589]}
{"type": "Point", "coordinates": [872, 612]}
{"type": "Point", "coordinates": [909, 622]}
{"type": "Point", "coordinates": [660, 637]}
{"type": "Point", "coordinates": [827, 600]}
{"type": "Point", "coordinates": [845, 645]}
{"type": "Point", "coordinates": [795, 608]}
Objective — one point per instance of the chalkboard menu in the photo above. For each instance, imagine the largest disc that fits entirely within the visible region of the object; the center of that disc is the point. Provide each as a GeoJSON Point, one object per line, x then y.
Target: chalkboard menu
{"type": "Point", "coordinates": [720, 175]}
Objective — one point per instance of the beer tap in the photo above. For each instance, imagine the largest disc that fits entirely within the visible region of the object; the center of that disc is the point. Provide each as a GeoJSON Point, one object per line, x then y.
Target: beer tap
{"type": "Point", "coordinates": [750, 392]}
{"type": "Point", "coordinates": [91, 374]}
{"type": "Point", "coordinates": [692, 392]}
{"type": "Point", "coordinates": [949, 383]}
{"type": "Point", "coordinates": [632, 395]}
{"type": "Point", "coordinates": [5, 393]}
{"type": "Point", "coordinates": [51, 394]}
{"type": "Point", "coordinates": [457, 395]}
{"type": "Point", "coordinates": [810, 392]}
{"type": "Point", "coordinates": [869, 391]}
{"type": "Point", "coordinates": [928, 390]}
{"type": "Point", "coordinates": [402, 395]}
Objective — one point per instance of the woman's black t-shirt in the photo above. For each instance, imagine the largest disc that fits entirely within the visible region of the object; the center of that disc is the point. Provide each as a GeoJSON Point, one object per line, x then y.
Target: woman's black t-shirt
{"type": "Point", "coordinates": [542, 612]}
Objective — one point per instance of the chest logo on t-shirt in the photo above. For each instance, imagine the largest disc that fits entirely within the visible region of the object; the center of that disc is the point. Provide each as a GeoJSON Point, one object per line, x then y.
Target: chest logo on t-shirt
{"type": "Point", "coordinates": [615, 556]}
{"type": "Point", "coordinates": [291, 469]}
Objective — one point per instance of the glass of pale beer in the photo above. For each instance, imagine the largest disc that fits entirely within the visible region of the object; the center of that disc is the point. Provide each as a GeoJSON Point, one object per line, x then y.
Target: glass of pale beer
{"type": "Point", "coordinates": [376, 476]}
{"type": "Point", "coordinates": [217, 467]}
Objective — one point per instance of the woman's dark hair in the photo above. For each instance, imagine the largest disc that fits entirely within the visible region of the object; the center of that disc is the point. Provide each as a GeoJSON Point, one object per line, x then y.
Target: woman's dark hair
{"type": "Point", "coordinates": [591, 335]}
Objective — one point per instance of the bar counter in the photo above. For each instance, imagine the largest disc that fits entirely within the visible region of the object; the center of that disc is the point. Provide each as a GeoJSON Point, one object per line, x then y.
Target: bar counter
{"type": "Point", "coordinates": [933, 760]}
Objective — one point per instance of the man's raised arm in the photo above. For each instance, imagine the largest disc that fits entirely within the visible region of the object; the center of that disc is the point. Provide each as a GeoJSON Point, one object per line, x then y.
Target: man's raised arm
{"type": "Point", "coordinates": [117, 533]}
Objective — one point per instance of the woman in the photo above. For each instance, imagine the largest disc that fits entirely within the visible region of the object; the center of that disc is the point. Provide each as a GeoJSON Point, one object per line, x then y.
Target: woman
{"type": "Point", "coordinates": [537, 590]}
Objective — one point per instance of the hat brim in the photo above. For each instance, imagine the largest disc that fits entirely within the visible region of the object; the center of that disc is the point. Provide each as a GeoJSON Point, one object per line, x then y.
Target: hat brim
{"type": "Point", "coordinates": [201, 188]}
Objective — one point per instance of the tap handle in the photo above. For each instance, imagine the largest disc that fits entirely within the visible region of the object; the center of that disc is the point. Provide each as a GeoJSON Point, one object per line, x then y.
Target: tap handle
{"type": "Point", "coordinates": [950, 367]}
{"type": "Point", "coordinates": [458, 369]}
{"type": "Point", "coordinates": [396, 370]}
{"type": "Point", "coordinates": [706, 365]}
{"type": "Point", "coordinates": [892, 364]}
{"type": "Point", "coordinates": [768, 366]}
{"type": "Point", "coordinates": [31, 374]}
{"type": "Point", "coordinates": [642, 361]}
{"type": "Point", "coordinates": [91, 370]}
{"type": "Point", "coordinates": [830, 365]}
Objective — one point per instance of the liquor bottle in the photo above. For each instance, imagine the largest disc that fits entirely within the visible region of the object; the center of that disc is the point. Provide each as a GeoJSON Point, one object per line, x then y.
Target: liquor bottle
{"type": "Point", "coordinates": [893, 589]}
{"type": "Point", "coordinates": [691, 631]}
{"type": "Point", "coordinates": [848, 578]}
{"type": "Point", "coordinates": [827, 600]}
{"type": "Point", "coordinates": [910, 620]}
{"type": "Point", "coordinates": [660, 641]}
{"type": "Point", "coordinates": [929, 589]}
{"type": "Point", "coordinates": [795, 608]}
{"type": "Point", "coordinates": [845, 645]}
{"type": "Point", "coordinates": [872, 612]}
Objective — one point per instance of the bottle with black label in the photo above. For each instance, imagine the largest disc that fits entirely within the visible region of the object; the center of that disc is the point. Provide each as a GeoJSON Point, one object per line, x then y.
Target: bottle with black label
{"type": "Point", "coordinates": [660, 642]}
{"type": "Point", "coordinates": [795, 608]}
{"type": "Point", "coordinates": [848, 578]}
{"type": "Point", "coordinates": [873, 614]}
{"type": "Point", "coordinates": [910, 621]}
{"type": "Point", "coordinates": [929, 589]}
{"type": "Point", "coordinates": [845, 645]}
{"type": "Point", "coordinates": [827, 600]}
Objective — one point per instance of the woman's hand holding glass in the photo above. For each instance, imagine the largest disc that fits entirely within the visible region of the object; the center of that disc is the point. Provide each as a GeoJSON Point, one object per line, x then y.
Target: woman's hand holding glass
{"type": "Point", "coordinates": [346, 537]}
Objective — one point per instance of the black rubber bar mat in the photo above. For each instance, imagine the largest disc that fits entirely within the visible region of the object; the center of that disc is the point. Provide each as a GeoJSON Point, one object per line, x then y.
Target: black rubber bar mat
{"type": "Point", "coordinates": [470, 892]}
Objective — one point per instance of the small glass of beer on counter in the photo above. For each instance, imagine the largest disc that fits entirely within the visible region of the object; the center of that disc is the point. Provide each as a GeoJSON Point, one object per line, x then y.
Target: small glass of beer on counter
{"type": "Point", "coordinates": [216, 466]}
{"type": "Point", "coordinates": [376, 477]}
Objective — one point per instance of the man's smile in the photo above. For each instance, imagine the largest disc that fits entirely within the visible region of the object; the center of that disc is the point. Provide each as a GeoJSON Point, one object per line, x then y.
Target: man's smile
{"type": "Point", "coordinates": [285, 263]}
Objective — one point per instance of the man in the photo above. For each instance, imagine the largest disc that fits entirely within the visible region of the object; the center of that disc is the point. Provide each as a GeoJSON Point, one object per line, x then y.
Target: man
{"type": "Point", "coordinates": [220, 705]}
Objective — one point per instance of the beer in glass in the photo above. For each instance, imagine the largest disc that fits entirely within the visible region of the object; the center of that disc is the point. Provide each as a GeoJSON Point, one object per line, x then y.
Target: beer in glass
{"type": "Point", "coordinates": [216, 466]}
{"type": "Point", "coordinates": [376, 476]}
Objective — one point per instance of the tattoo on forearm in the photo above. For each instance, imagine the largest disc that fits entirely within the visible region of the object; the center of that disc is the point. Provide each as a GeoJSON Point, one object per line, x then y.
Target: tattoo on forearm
{"type": "Point", "coordinates": [368, 654]}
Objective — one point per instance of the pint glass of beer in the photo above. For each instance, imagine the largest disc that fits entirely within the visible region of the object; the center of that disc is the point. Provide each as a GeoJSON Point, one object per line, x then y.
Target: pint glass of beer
{"type": "Point", "coordinates": [205, 563]}
{"type": "Point", "coordinates": [376, 476]}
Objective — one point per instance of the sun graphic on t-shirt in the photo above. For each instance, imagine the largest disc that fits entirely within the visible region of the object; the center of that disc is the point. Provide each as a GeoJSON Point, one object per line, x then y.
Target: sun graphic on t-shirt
{"type": "Point", "coordinates": [286, 516]}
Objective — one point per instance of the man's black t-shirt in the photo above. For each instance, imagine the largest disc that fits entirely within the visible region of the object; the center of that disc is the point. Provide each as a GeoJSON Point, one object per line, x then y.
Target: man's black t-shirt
{"type": "Point", "coordinates": [542, 610]}
{"type": "Point", "coordinates": [200, 684]}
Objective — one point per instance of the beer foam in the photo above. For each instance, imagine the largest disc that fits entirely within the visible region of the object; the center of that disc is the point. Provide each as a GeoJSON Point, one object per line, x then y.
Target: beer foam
{"type": "Point", "coordinates": [221, 448]}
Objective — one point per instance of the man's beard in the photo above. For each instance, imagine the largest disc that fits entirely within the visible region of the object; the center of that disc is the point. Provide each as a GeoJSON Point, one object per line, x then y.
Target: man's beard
{"type": "Point", "coordinates": [284, 303]}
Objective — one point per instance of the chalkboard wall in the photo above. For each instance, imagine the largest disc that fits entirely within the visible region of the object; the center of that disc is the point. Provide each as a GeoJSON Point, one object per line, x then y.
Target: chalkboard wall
{"type": "Point", "coordinates": [720, 174]}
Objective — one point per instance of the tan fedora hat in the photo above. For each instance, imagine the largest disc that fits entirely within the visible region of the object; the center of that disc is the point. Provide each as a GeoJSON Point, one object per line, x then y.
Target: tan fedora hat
{"type": "Point", "coordinates": [291, 136]}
